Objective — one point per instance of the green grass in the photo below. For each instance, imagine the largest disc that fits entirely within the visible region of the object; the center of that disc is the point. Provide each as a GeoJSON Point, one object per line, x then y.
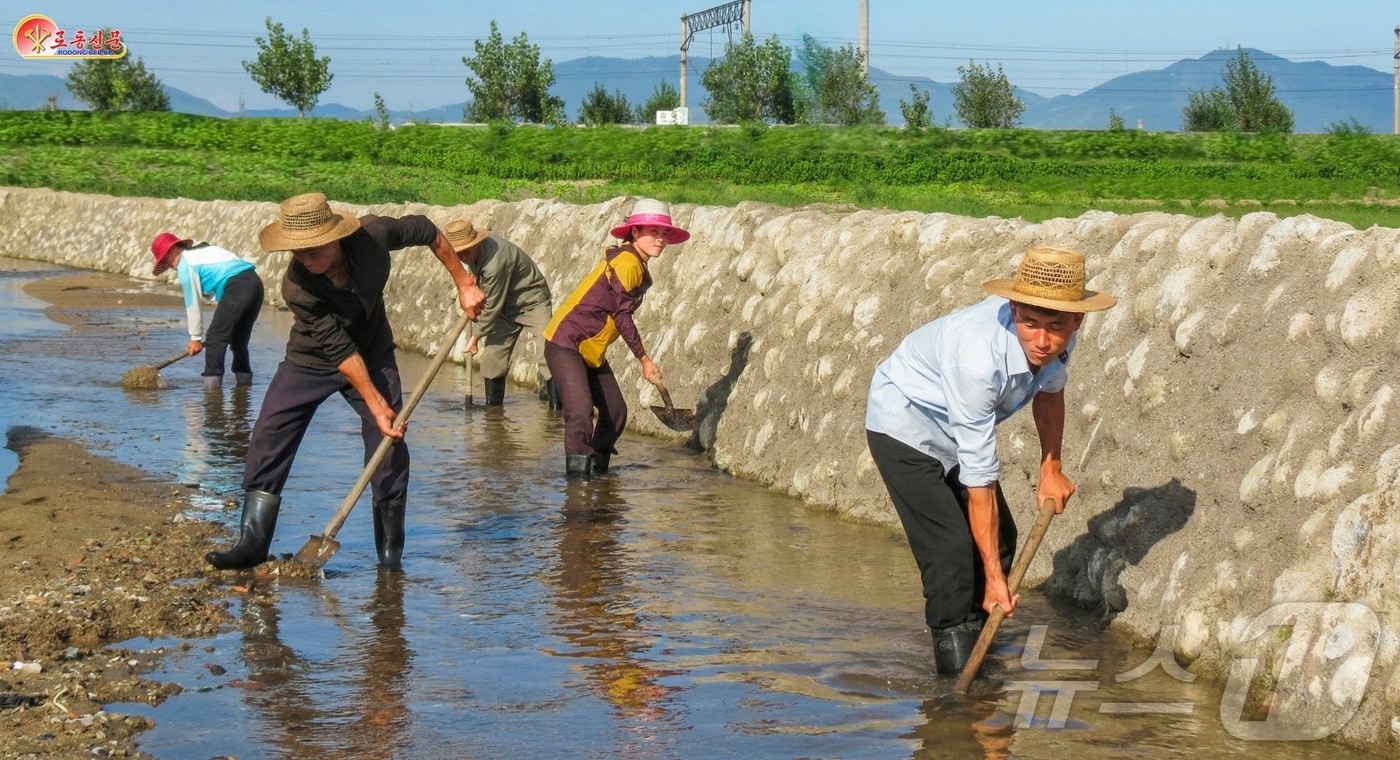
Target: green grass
{"type": "Point", "coordinates": [1030, 174]}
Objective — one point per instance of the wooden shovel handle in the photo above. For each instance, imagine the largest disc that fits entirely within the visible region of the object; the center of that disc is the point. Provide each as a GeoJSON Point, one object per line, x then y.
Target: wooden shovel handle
{"type": "Point", "coordinates": [1013, 583]}
{"type": "Point", "coordinates": [172, 360]}
{"type": "Point", "coordinates": [665, 395]}
{"type": "Point", "coordinates": [400, 419]}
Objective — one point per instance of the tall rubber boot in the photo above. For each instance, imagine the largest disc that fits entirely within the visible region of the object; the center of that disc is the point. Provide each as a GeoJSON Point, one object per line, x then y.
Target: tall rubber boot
{"type": "Point", "coordinates": [953, 646]}
{"type": "Point", "coordinates": [551, 396]}
{"type": "Point", "coordinates": [242, 378]}
{"type": "Point", "coordinates": [602, 459]}
{"type": "Point", "coordinates": [255, 533]}
{"type": "Point", "coordinates": [388, 533]}
{"type": "Point", "coordinates": [213, 382]}
{"type": "Point", "coordinates": [495, 390]}
{"type": "Point", "coordinates": [578, 466]}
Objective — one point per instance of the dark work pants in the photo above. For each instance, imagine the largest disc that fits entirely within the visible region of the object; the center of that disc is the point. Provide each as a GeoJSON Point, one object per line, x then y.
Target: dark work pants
{"type": "Point", "coordinates": [292, 398]}
{"type": "Point", "coordinates": [581, 388]}
{"type": "Point", "coordinates": [932, 506]}
{"type": "Point", "coordinates": [232, 324]}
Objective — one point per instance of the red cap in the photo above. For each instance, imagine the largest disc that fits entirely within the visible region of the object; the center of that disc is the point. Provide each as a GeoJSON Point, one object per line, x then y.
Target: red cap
{"type": "Point", "coordinates": [161, 248]}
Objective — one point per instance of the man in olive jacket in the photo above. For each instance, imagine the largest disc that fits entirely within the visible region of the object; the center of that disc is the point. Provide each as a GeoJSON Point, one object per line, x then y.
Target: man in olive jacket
{"type": "Point", "coordinates": [517, 298]}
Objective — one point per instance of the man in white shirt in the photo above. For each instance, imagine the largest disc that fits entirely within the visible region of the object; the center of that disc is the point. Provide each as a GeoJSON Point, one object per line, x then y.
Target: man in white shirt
{"type": "Point", "coordinates": [931, 422]}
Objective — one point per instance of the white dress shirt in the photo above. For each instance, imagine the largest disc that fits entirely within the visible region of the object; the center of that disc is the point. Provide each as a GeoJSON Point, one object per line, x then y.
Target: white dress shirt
{"type": "Point", "coordinates": [949, 383]}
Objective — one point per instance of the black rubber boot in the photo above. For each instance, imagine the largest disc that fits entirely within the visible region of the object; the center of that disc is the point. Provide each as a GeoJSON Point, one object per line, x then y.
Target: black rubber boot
{"type": "Point", "coordinates": [255, 533]}
{"type": "Point", "coordinates": [388, 533]}
{"type": "Point", "coordinates": [495, 390]}
{"type": "Point", "coordinates": [243, 378]}
{"type": "Point", "coordinates": [578, 466]}
{"type": "Point", "coordinates": [952, 646]}
{"type": "Point", "coordinates": [601, 460]}
{"type": "Point", "coordinates": [551, 396]}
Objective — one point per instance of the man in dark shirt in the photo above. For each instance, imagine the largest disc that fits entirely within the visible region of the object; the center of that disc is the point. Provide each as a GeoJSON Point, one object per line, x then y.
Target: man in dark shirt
{"type": "Point", "coordinates": [341, 342]}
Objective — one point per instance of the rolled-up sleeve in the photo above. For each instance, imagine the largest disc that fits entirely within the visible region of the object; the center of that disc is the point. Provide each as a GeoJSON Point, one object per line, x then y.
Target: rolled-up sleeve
{"type": "Point", "coordinates": [972, 421]}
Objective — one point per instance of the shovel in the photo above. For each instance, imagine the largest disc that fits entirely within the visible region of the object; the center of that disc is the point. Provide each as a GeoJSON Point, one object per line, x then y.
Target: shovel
{"type": "Point", "coordinates": [148, 378]}
{"type": "Point", "coordinates": [682, 420]}
{"type": "Point", "coordinates": [1013, 582]}
{"type": "Point", "coordinates": [319, 549]}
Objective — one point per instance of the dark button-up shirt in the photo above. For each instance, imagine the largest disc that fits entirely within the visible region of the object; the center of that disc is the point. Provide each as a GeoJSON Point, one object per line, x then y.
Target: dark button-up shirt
{"type": "Point", "coordinates": [331, 323]}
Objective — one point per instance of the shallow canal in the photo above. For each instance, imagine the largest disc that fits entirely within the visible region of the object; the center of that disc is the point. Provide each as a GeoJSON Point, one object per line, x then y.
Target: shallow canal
{"type": "Point", "coordinates": [665, 610]}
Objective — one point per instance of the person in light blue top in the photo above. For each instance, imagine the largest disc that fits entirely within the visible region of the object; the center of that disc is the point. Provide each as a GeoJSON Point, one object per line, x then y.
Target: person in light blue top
{"type": "Point", "coordinates": [209, 272]}
{"type": "Point", "coordinates": [931, 420]}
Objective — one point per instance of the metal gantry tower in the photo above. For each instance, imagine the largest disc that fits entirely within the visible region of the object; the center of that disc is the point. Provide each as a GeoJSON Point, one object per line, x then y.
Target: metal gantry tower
{"type": "Point", "coordinates": [720, 15]}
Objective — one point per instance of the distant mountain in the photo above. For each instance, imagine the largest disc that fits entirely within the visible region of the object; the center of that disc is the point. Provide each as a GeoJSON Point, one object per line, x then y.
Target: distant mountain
{"type": "Point", "coordinates": [1319, 94]}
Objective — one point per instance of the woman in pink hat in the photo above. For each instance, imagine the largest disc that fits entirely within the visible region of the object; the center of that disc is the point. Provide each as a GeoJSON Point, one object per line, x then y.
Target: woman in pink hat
{"type": "Point", "coordinates": [598, 312]}
{"type": "Point", "coordinates": [209, 272]}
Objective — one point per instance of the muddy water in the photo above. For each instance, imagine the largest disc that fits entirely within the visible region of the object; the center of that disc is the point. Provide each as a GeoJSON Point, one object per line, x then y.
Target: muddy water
{"type": "Point", "coordinates": [664, 610]}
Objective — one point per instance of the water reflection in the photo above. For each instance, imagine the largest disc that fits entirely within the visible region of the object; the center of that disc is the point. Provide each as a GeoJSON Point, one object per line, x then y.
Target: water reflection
{"type": "Point", "coordinates": [381, 696]}
{"type": "Point", "coordinates": [216, 429]}
{"type": "Point", "coordinates": [594, 612]}
{"type": "Point", "coordinates": [277, 685]}
{"type": "Point", "coordinates": [966, 728]}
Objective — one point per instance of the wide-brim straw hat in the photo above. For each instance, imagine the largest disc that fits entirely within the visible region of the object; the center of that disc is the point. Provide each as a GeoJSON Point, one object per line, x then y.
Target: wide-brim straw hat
{"type": "Point", "coordinates": [306, 221]}
{"type": "Point", "coordinates": [462, 235]}
{"type": "Point", "coordinates": [161, 247]}
{"type": "Point", "coordinates": [1051, 278]}
{"type": "Point", "coordinates": [651, 213]}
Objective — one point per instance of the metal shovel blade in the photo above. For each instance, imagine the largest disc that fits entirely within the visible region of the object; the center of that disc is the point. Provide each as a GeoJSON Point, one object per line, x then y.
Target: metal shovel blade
{"type": "Point", "coordinates": [317, 552]}
{"type": "Point", "coordinates": [681, 420]}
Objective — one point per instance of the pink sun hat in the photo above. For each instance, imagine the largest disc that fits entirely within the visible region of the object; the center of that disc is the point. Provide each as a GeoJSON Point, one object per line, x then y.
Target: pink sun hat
{"type": "Point", "coordinates": [651, 213]}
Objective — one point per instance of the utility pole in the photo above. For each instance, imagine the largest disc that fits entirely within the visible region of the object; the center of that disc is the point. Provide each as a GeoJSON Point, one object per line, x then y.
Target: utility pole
{"type": "Point", "coordinates": [1397, 81]}
{"type": "Point", "coordinates": [729, 13]}
{"type": "Point", "coordinates": [865, 37]}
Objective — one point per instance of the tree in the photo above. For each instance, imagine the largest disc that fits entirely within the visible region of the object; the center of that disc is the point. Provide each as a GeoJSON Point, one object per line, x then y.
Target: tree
{"type": "Point", "coordinates": [1207, 112]}
{"type": "Point", "coordinates": [117, 84]}
{"type": "Point", "coordinates": [381, 111]}
{"type": "Point", "coordinates": [663, 98]}
{"type": "Point", "coordinates": [511, 83]}
{"type": "Point", "coordinates": [287, 68]}
{"type": "Point", "coordinates": [917, 115]}
{"type": "Point", "coordinates": [983, 99]}
{"type": "Point", "coordinates": [834, 87]}
{"type": "Point", "coordinates": [751, 83]}
{"type": "Point", "coordinates": [1115, 122]}
{"type": "Point", "coordinates": [1247, 103]}
{"type": "Point", "coordinates": [601, 108]}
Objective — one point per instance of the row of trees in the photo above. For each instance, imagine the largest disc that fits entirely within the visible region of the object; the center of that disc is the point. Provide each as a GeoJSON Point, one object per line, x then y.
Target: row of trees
{"type": "Point", "coordinates": [752, 83]}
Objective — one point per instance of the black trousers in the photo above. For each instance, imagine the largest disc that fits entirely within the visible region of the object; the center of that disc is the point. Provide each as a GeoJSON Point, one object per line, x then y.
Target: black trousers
{"type": "Point", "coordinates": [932, 505]}
{"type": "Point", "coordinates": [231, 327]}
{"type": "Point", "coordinates": [293, 396]}
{"type": "Point", "coordinates": [581, 388]}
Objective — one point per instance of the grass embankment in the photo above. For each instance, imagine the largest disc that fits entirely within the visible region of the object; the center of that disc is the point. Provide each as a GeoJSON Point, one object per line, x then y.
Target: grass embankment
{"type": "Point", "coordinates": [1032, 174]}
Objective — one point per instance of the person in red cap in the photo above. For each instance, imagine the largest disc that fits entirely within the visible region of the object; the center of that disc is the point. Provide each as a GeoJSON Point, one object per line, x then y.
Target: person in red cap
{"type": "Point", "coordinates": [209, 272]}
{"type": "Point", "coordinates": [598, 312]}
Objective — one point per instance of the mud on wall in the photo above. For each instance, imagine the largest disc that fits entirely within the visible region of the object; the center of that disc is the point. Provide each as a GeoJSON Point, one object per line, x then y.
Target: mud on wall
{"type": "Point", "coordinates": [1231, 424]}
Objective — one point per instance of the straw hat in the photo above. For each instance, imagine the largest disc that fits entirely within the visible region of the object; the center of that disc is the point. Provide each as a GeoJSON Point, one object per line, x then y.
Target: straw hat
{"type": "Point", "coordinates": [462, 235]}
{"type": "Point", "coordinates": [161, 247]}
{"type": "Point", "coordinates": [651, 213]}
{"type": "Point", "coordinates": [1051, 278]}
{"type": "Point", "coordinates": [306, 221]}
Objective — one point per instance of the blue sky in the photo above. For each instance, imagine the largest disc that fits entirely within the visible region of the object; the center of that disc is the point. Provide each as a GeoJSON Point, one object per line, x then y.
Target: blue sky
{"type": "Point", "coordinates": [411, 51]}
